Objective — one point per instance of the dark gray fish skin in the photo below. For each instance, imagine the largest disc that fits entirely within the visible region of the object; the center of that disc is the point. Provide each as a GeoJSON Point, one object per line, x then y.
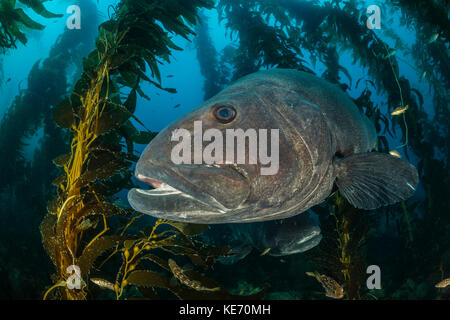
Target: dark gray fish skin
{"type": "Point", "coordinates": [284, 237]}
{"type": "Point", "coordinates": [324, 140]}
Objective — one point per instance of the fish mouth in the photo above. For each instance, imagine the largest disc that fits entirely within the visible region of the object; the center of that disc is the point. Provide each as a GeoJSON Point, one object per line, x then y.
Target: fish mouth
{"type": "Point", "coordinates": [169, 202]}
{"type": "Point", "coordinates": [176, 195]}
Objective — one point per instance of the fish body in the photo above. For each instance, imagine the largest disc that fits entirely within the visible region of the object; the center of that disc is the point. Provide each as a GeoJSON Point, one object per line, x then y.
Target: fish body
{"type": "Point", "coordinates": [332, 288]}
{"type": "Point", "coordinates": [274, 238]}
{"type": "Point", "coordinates": [433, 38]}
{"type": "Point", "coordinates": [395, 153]}
{"type": "Point", "coordinates": [102, 283]}
{"type": "Point", "coordinates": [321, 140]}
{"type": "Point", "coordinates": [180, 275]}
{"type": "Point", "coordinates": [399, 110]}
{"type": "Point", "coordinates": [443, 284]}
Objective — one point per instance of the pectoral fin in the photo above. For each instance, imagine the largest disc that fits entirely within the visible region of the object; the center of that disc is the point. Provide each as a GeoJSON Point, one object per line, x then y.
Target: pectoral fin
{"type": "Point", "coordinates": [372, 180]}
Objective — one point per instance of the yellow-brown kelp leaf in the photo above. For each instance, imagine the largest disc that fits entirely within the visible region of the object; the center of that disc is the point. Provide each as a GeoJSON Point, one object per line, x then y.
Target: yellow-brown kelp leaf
{"type": "Point", "coordinates": [106, 209]}
{"type": "Point", "coordinates": [63, 114]}
{"type": "Point", "coordinates": [190, 229]}
{"type": "Point", "coordinates": [104, 172]}
{"type": "Point", "coordinates": [62, 160]}
{"type": "Point", "coordinates": [91, 253]}
{"type": "Point", "coordinates": [157, 260]}
{"type": "Point", "coordinates": [49, 241]}
{"type": "Point", "coordinates": [60, 180]}
{"type": "Point", "coordinates": [145, 278]}
{"type": "Point", "coordinates": [100, 158]}
{"type": "Point", "coordinates": [53, 206]}
{"type": "Point", "coordinates": [99, 144]}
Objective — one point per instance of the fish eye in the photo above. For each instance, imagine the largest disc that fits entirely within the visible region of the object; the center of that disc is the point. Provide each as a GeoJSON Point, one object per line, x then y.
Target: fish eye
{"type": "Point", "coordinates": [225, 113]}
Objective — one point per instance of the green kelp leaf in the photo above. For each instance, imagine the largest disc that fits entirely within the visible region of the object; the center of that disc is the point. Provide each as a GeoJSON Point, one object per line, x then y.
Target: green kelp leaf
{"type": "Point", "coordinates": [383, 144]}
{"type": "Point", "coordinates": [63, 114]}
{"type": "Point", "coordinates": [39, 8]}
{"type": "Point", "coordinates": [62, 160]}
{"type": "Point", "coordinates": [143, 137]}
{"type": "Point", "coordinates": [97, 248]}
{"type": "Point", "coordinates": [111, 119]}
{"type": "Point", "coordinates": [27, 21]}
{"type": "Point", "coordinates": [109, 26]}
{"type": "Point", "coordinates": [148, 279]}
{"type": "Point", "coordinates": [91, 62]}
{"type": "Point", "coordinates": [128, 77]}
{"type": "Point", "coordinates": [131, 102]}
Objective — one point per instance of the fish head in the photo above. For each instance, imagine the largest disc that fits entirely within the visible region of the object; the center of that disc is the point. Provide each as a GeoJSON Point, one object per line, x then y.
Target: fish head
{"type": "Point", "coordinates": [194, 184]}
{"type": "Point", "coordinates": [292, 235]}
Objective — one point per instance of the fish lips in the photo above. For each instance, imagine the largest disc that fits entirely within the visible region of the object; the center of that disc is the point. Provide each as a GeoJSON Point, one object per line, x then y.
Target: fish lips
{"type": "Point", "coordinates": [189, 193]}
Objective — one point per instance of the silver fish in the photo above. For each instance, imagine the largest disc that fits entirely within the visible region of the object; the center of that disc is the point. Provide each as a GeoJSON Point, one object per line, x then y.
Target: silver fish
{"type": "Point", "coordinates": [324, 140]}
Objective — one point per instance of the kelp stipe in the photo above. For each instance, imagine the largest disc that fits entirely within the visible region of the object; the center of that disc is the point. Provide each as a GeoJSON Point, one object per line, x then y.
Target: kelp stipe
{"type": "Point", "coordinates": [341, 252]}
{"type": "Point", "coordinates": [96, 167]}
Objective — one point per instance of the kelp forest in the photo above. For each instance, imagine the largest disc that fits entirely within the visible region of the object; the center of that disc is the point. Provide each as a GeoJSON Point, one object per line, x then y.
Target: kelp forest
{"type": "Point", "coordinates": [67, 235]}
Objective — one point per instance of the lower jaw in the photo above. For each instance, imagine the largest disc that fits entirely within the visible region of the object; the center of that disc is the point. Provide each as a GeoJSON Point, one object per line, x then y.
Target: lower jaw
{"type": "Point", "coordinates": [172, 204]}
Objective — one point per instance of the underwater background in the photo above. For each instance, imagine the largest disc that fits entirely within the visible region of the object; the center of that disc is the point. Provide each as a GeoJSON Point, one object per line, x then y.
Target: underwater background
{"type": "Point", "coordinates": [78, 106]}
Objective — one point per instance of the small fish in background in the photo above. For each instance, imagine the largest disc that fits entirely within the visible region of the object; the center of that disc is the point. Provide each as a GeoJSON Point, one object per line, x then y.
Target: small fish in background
{"type": "Point", "coordinates": [392, 53]}
{"type": "Point", "coordinates": [395, 153]}
{"type": "Point", "coordinates": [399, 110]}
{"type": "Point", "coordinates": [9, 79]}
{"type": "Point", "coordinates": [332, 288]}
{"type": "Point", "coordinates": [433, 38]}
{"type": "Point", "coordinates": [443, 284]}
{"type": "Point", "coordinates": [179, 274]}
{"type": "Point", "coordinates": [102, 283]}
{"type": "Point", "coordinates": [265, 252]}
{"type": "Point", "coordinates": [422, 77]}
{"type": "Point", "coordinates": [177, 106]}
{"type": "Point", "coordinates": [170, 76]}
